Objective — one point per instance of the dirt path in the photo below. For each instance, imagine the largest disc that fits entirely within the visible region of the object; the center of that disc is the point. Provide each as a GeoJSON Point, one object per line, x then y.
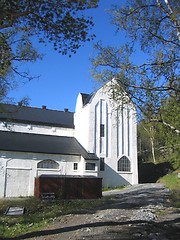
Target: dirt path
{"type": "Point", "coordinates": [138, 212]}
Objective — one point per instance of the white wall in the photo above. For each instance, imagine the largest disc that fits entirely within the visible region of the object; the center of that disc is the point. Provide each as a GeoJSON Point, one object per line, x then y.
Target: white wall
{"type": "Point", "coordinates": [18, 170]}
{"type": "Point", "coordinates": [119, 139]}
{"type": "Point", "coordinates": [82, 123]}
{"type": "Point", "coordinates": [37, 129]}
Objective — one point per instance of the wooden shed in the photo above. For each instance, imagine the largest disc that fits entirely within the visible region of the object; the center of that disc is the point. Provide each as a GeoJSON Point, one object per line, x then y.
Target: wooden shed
{"type": "Point", "coordinates": [68, 187]}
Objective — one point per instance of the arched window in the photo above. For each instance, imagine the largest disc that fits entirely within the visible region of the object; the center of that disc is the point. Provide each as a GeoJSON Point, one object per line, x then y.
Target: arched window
{"type": "Point", "coordinates": [48, 164]}
{"type": "Point", "coordinates": [124, 164]}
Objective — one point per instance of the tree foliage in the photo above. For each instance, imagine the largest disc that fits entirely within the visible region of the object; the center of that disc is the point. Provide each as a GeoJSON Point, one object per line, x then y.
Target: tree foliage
{"type": "Point", "coordinates": [166, 144]}
{"type": "Point", "coordinates": [154, 27]}
{"type": "Point", "coordinates": [59, 22]}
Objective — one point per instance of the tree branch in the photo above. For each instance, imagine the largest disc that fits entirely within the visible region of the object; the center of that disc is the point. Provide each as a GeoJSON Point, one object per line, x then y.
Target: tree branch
{"type": "Point", "coordinates": [173, 18]}
{"type": "Point", "coordinates": [166, 124]}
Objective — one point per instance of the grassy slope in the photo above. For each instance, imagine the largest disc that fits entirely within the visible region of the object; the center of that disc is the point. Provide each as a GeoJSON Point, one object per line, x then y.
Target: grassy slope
{"type": "Point", "coordinates": [172, 182]}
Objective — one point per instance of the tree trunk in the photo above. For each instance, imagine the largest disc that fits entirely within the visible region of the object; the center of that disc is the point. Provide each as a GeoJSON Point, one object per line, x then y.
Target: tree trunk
{"type": "Point", "coordinates": [152, 149]}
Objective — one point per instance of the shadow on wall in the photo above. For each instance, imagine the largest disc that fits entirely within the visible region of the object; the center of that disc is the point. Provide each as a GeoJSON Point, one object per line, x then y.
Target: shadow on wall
{"type": "Point", "coordinates": [112, 179]}
{"type": "Point", "coordinates": [150, 172]}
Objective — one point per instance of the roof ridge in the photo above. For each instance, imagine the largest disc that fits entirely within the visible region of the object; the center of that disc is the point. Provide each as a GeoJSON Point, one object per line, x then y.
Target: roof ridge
{"type": "Point", "coordinates": [31, 107]}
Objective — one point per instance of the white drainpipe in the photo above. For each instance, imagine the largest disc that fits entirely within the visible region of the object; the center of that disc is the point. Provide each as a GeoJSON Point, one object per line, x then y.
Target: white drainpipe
{"type": "Point", "coordinates": [5, 176]}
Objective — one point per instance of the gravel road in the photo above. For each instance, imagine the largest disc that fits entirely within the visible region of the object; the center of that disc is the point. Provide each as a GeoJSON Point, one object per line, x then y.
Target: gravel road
{"type": "Point", "coordinates": [137, 212]}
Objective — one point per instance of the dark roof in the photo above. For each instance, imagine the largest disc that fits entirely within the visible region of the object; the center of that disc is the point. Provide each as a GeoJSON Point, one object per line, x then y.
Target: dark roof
{"type": "Point", "coordinates": [39, 116]}
{"type": "Point", "coordinates": [39, 143]}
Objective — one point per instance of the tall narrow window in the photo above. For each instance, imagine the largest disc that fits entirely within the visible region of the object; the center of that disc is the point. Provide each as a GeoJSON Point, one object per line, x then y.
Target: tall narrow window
{"type": "Point", "coordinates": [124, 164]}
{"type": "Point", "coordinates": [128, 130]}
{"type": "Point", "coordinates": [101, 130]}
{"type": "Point", "coordinates": [102, 164]}
{"type": "Point", "coordinates": [122, 117]}
{"type": "Point", "coordinates": [75, 167]}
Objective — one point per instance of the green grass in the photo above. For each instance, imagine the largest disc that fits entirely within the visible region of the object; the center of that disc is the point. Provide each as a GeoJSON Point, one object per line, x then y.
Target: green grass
{"type": "Point", "coordinates": [172, 182]}
{"type": "Point", "coordinates": [39, 213]}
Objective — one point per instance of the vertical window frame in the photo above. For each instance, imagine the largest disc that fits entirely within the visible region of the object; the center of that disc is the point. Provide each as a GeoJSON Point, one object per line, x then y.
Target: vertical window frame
{"type": "Point", "coordinates": [102, 164]}
{"type": "Point", "coordinates": [102, 130]}
{"type": "Point", "coordinates": [75, 166]}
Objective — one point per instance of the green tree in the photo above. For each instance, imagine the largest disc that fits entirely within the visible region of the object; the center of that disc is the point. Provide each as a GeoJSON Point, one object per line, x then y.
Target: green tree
{"type": "Point", "coordinates": [154, 27]}
{"type": "Point", "coordinates": [170, 113]}
{"type": "Point", "coordinates": [60, 22]}
{"type": "Point", "coordinates": [146, 145]}
{"type": "Point", "coordinates": [157, 142]}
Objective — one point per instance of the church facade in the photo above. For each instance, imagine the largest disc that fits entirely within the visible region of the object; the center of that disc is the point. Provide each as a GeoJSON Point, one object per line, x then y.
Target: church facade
{"type": "Point", "coordinates": [97, 140]}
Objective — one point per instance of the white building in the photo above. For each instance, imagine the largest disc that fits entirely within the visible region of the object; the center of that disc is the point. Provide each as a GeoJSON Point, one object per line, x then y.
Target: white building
{"type": "Point", "coordinates": [99, 140]}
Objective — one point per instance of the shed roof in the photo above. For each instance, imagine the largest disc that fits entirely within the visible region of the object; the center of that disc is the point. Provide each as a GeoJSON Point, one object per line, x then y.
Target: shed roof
{"type": "Point", "coordinates": [39, 116]}
{"type": "Point", "coordinates": [39, 143]}
{"type": "Point", "coordinates": [68, 176]}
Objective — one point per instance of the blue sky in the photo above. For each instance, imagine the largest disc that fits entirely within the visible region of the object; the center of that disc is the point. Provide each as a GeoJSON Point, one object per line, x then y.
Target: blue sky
{"type": "Point", "coordinates": [61, 78]}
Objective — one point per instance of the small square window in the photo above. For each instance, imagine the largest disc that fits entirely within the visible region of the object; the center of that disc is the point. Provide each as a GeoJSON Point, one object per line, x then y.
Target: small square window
{"type": "Point", "coordinates": [90, 166]}
{"type": "Point", "coordinates": [75, 166]}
